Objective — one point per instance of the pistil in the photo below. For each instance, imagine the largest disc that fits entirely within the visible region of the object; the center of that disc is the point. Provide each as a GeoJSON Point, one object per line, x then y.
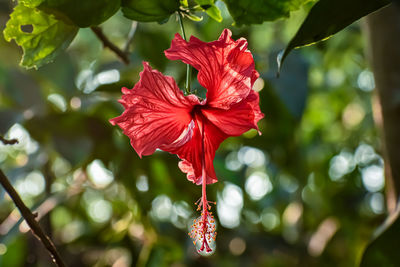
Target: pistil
{"type": "Point", "coordinates": [203, 229]}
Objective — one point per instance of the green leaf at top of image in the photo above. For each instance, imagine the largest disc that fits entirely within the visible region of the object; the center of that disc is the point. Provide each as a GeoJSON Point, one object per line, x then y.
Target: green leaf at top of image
{"type": "Point", "coordinates": [31, 3]}
{"type": "Point", "coordinates": [81, 13]}
{"type": "Point", "coordinates": [41, 36]}
{"type": "Point", "coordinates": [211, 9]}
{"type": "Point", "coordinates": [384, 249]}
{"type": "Point", "coordinates": [149, 10]}
{"type": "Point", "coordinates": [257, 11]}
{"type": "Point", "coordinates": [214, 12]}
{"type": "Point", "coordinates": [328, 17]}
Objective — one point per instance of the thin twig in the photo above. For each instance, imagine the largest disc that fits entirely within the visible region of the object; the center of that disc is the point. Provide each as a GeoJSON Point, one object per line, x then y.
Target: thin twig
{"type": "Point", "coordinates": [8, 141]}
{"type": "Point", "coordinates": [107, 43]}
{"type": "Point", "coordinates": [30, 219]}
{"type": "Point", "coordinates": [131, 34]}
{"type": "Point", "coordinates": [188, 67]}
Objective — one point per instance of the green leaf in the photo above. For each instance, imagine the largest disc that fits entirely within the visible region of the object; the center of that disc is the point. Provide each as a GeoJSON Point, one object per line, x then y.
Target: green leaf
{"type": "Point", "coordinates": [149, 10]}
{"type": "Point", "coordinates": [214, 12]}
{"type": "Point", "coordinates": [258, 11]}
{"type": "Point", "coordinates": [184, 3]}
{"type": "Point", "coordinates": [82, 13]}
{"type": "Point", "coordinates": [211, 9]}
{"type": "Point", "coordinates": [383, 250]}
{"type": "Point", "coordinates": [327, 18]}
{"type": "Point", "coordinates": [31, 3]}
{"type": "Point", "coordinates": [41, 36]}
{"type": "Point", "coordinates": [204, 3]}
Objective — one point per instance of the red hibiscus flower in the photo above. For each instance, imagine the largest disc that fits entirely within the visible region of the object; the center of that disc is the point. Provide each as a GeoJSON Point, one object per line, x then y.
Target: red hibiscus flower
{"type": "Point", "coordinates": [158, 115]}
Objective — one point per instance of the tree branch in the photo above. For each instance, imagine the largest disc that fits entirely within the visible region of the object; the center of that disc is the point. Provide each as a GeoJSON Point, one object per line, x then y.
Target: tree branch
{"type": "Point", "coordinates": [383, 31]}
{"type": "Point", "coordinates": [8, 141]}
{"type": "Point", "coordinates": [31, 221]}
{"type": "Point", "coordinates": [107, 43]}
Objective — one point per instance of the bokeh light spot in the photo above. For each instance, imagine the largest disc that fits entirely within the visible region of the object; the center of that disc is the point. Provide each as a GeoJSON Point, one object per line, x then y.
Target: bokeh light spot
{"type": "Point", "coordinates": [365, 81]}
{"type": "Point", "coordinates": [270, 219]}
{"type": "Point", "coordinates": [372, 178]}
{"type": "Point", "coordinates": [161, 208]}
{"type": "Point", "coordinates": [229, 205]}
{"type": "Point", "coordinates": [237, 246]}
{"type": "Point", "coordinates": [142, 183]}
{"type": "Point", "coordinates": [258, 185]}
{"type": "Point", "coordinates": [100, 210]}
{"type": "Point", "coordinates": [99, 174]}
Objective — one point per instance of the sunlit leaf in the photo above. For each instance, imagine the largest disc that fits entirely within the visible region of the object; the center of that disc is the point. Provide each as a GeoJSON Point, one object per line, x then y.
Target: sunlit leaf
{"type": "Point", "coordinates": [40, 35]}
{"type": "Point", "coordinates": [211, 9]}
{"type": "Point", "coordinates": [258, 11]}
{"type": "Point", "coordinates": [327, 18]}
{"type": "Point", "coordinates": [184, 3]}
{"type": "Point", "coordinates": [214, 13]}
{"type": "Point", "coordinates": [31, 3]}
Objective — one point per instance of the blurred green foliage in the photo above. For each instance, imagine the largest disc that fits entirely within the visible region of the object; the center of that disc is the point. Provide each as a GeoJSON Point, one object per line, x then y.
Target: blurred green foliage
{"type": "Point", "coordinates": [307, 192]}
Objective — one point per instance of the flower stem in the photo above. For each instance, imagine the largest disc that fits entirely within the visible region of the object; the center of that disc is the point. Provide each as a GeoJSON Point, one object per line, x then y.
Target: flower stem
{"type": "Point", "coordinates": [188, 67]}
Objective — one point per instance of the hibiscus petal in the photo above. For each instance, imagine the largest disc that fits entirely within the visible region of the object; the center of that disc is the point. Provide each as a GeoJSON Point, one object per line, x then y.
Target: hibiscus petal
{"type": "Point", "coordinates": [240, 118]}
{"type": "Point", "coordinates": [226, 67]}
{"type": "Point", "coordinates": [191, 152]}
{"type": "Point", "coordinates": [157, 114]}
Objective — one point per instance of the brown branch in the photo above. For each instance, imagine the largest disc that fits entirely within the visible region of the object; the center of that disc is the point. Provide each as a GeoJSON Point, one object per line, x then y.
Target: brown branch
{"type": "Point", "coordinates": [8, 141]}
{"type": "Point", "coordinates": [107, 43]}
{"type": "Point", "coordinates": [30, 219]}
{"type": "Point", "coordinates": [383, 31]}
